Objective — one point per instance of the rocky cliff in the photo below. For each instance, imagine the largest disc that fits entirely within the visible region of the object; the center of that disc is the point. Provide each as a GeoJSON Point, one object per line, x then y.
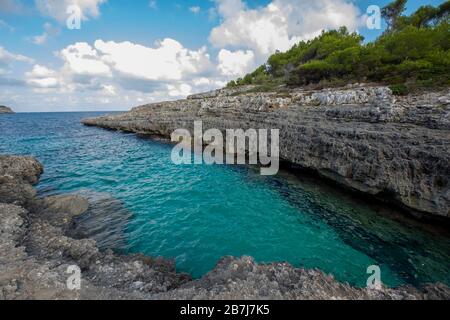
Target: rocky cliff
{"type": "Point", "coordinates": [360, 136]}
{"type": "Point", "coordinates": [36, 252]}
{"type": "Point", "coordinates": [4, 109]}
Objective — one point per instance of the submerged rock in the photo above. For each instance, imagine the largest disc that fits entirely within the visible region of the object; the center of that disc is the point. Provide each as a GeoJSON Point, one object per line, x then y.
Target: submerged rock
{"type": "Point", "coordinates": [362, 137]}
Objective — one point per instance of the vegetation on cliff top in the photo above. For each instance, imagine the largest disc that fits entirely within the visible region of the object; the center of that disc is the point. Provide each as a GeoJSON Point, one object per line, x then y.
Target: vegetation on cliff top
{"type": "Point", "coordinates": [412, 53]}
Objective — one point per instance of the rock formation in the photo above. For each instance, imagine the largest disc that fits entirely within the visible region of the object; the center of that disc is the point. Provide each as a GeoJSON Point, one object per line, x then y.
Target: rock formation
{"type": "Point", "coordinates": [360, 136]}
{"type": "Point", "coordinates": [4, 109]}
{"type": "Point", "coordinates": [36, 252]}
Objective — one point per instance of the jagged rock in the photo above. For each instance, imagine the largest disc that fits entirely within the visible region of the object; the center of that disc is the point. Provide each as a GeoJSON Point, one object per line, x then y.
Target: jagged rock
{"type": "Point", "coordinates": [362, 136]}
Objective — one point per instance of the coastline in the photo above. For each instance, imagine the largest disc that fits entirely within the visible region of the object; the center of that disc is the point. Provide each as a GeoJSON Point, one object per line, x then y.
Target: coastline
{"type": "Point", "coordinates": [36, 251]}
{"type": "Point", "coordinates": [360, 137]}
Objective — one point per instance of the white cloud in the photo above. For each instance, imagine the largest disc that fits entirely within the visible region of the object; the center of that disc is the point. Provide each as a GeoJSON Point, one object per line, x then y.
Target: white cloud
{"type": "Point", "coordinates": [195, 9]}
{"type": "Point", "coordinates": [6, 26]}
{"type": "Point", "coordinates": [7, 57]}
{"type": "Point", "coordinates": [235, 63]}
{"type": "Point", "coordinates": [109, 89]}
{"type": "Point", "coordinates": [49, 31]}
{"type": "Point", "coordinates": [57, 9]}
{"type": "Point", "coordinates": [178, 91]}
{"type": "Point", "coordinates": [109, 71]}
{"type": "Point", "coordinates": [153, 4]}
{"type": "Point", "coordinates": [280, 24]}
{"type": "Point", "coordinates": [229, 8]}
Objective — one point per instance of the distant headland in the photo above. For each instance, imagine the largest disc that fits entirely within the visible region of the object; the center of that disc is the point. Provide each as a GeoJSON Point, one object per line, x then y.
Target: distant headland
{"type": "Point", "coordinates": [4, 109]}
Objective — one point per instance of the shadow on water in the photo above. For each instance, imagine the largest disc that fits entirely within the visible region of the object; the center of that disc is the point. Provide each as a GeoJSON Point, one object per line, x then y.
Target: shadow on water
{"type": "Point", "coordinates": [376, 229]}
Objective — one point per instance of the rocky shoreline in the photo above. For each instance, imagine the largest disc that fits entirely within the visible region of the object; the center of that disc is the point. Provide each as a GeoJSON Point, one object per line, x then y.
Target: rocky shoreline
{"type": "Point", "coordinates": [36, 250]}
{"type": "Point", "coordinates": [361, 136]}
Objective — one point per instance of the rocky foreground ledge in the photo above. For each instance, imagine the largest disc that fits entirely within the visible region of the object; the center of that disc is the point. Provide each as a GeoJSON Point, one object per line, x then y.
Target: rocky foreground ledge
{"type": "Point", "coordinates": [361, 136]}
{"type": "Point", "coordinates": [36, 251]}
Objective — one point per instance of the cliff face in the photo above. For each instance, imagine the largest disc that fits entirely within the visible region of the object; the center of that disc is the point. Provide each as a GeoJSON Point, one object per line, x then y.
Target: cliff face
{"type": "Point", "coordinates": [361, 137]}
{"type": "Point", "coordinates": [4, 109]}
{"type": "Point", "coordinates": [36, 251]}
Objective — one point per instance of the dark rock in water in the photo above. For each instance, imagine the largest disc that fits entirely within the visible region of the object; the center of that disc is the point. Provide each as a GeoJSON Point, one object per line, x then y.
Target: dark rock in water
{"type": "Point", "coordinates": [4, 109]}
{"type": "Point", "coordinates": [362, 137]}
{"type": "Point", "coordinates": [17, 174]}
{"type": "Point", "coordinates": [73, 205]}
{"type": "Point", "coordinates": [36, 251]}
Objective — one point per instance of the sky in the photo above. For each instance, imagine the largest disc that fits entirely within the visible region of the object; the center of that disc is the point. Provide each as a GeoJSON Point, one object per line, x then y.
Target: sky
{"type": "Point", "coordinates": [129, 53]}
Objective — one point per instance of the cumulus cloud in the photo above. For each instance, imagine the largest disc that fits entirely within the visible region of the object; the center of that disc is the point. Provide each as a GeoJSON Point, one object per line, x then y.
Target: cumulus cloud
{"type": "Point", "coordinates": [153, 4]}
{"type": "Point", "coordinates": [179, 90]}
{"type": "Point", "coordinates": [280, 24]}
{"type": "Point", "coordinates": [6, 26]}
{"type": "Point", "coordinates": [235, 63]}
{"type": "Point", "coordinates": [57, 9]}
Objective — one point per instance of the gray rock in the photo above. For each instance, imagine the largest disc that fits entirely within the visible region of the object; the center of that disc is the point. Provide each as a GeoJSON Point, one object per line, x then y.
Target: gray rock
{"type": "Point", "coordinates": [73, 205]}
{"type": "Point", "coordinates": [16, 176]}
{"type": "Point", "coordinates": [36, 251]}
{"type": "Point", "coordinates": [362, 137]}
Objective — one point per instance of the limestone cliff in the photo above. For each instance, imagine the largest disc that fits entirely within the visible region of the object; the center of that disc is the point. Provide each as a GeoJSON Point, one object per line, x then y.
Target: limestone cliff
{"type": "Point", "coordinates": [360, 136]}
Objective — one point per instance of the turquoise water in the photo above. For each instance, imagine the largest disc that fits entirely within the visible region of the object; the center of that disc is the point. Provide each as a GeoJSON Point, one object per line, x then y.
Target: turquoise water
{"type": "Point", "coordinates": [197, 214]}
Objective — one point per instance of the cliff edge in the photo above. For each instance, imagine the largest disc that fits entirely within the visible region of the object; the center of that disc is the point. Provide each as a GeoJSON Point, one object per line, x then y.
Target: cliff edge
{"type": "Point", "coordinates": [4, 109]}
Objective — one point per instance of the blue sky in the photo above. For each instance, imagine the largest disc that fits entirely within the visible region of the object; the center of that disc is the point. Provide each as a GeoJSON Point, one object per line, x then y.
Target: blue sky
{"type": "Point", "coordinates": [134, 52]}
